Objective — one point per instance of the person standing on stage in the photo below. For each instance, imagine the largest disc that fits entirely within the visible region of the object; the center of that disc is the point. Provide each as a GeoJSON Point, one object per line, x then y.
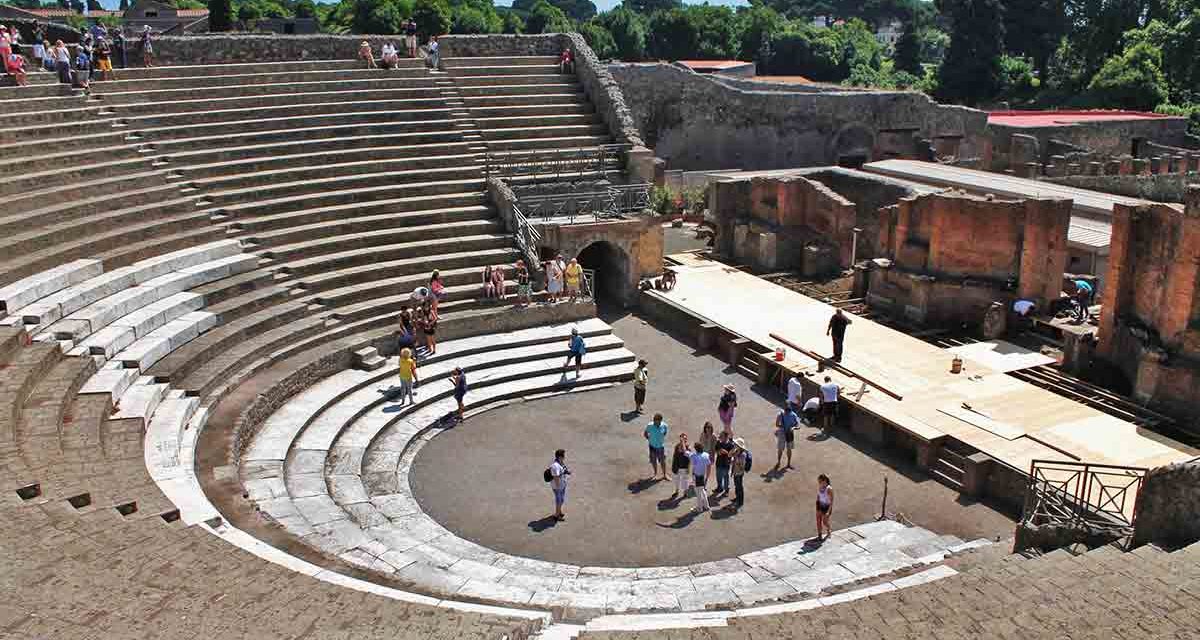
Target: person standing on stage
{"type": "Point", "coordinates": [837, 329]}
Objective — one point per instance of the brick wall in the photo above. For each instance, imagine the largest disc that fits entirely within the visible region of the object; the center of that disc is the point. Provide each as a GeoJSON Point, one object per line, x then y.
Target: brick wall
{"type": "Point", "coordinates": [1150, 327]}
{"type": "Point", "coordinates": [1167, 506]}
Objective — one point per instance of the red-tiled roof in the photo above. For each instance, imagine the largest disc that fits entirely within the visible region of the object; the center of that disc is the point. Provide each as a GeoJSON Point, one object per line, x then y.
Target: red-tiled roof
{"type": "Point", "coordinates": [62, 13]}
{"type": "Point", "coordinates": [1053, 118]}
{"type": "Point", "coordinates": [191, 13]}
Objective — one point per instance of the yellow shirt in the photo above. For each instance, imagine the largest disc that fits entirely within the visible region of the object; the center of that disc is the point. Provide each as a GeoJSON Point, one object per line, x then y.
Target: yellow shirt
{"type": "Point", "coordinates": [408, 369]}
{"type": "Point", "coordinates": [573, 272]}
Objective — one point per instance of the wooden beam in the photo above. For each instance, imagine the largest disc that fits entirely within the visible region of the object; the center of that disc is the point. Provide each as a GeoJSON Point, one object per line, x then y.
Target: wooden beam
{"type": "Point", "coordinates": [836, 366]}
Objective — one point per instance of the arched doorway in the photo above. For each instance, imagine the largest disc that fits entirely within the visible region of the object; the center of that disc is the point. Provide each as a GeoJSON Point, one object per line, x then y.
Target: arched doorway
{"type": "Point", "coordinates": [611, 267]}
{"type": "Point", "coordinates": [852, 146]}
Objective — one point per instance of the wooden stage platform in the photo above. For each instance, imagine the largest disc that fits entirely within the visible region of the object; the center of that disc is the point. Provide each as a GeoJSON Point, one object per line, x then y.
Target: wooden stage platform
{"type": "Point", "coordinates": [1008, 419]}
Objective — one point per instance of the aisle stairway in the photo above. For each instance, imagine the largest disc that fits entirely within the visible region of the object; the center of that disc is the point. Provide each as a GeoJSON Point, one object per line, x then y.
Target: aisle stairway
{"type": "Point", "coordinates": [182, 229]}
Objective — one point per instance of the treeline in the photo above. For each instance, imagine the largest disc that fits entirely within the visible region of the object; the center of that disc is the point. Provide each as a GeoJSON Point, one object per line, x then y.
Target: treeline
{"type": "Point", "coordinates": [1133, 54]}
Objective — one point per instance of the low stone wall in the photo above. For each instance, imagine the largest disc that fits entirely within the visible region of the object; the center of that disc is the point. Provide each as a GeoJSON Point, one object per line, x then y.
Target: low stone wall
{"type": "Point", "coordinates": [698, 122]}
{"type": "Point", "coordinates": [1171, 187]}
{"type": "Point", "coordinates": [235, 48]}
{"type": "Point", "coordinates": [1048, 537]}
{"type": "Point", "coordinates": [1168, 507]}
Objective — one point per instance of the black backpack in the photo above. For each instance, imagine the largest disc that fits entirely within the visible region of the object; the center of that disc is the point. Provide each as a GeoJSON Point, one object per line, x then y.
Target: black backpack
{"type": "Point", "coordinates": [749, 461]}
{"type": "Point", "coordinates": [547, 476]}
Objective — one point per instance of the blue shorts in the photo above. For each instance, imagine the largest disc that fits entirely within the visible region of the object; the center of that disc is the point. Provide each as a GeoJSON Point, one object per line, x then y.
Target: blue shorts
{"type": "Point", "coordinates": [560, 496]}
{"type": "Point", "coordinates": [658, 454]}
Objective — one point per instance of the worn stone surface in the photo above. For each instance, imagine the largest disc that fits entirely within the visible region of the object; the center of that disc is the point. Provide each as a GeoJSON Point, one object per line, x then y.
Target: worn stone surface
{"type": "Point", "coordinates": [701, 122]}
{"type": "Point", "coordinates": [1167, 506]}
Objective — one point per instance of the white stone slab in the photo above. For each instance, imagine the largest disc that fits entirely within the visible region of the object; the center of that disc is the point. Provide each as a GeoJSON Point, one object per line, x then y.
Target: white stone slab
{"type": "Point", "coordinates": [151, 268]}
{"type": "Point", "coordinates": [109, 341]}
{"type": "Point", "coordinates": [28, 290]}
{"type": "Point", "coordinates": [159, 313]}
{"type": "Point", "coordinates": [155, 345]}
{"type": "Point", "coordinates": [53, 307]}
{"type": "Point", "coordinates": [140, 401]}
{"type": "Point", "coordinates": [110, 381]}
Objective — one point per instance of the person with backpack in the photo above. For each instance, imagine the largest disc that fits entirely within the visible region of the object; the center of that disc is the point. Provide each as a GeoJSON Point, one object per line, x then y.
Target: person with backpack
{"type": "Point", "coordinates": [577, 350]}
{"type": "Point", "coordinates": [785, 434]}
{"type": "Point", "coordinates": [557, 474]}
{"type": "Point", "coordinates": [726, 408]}
{"type": "Point", "coordinates": [680, 462]}
{"type": "Point", "coordinates": [741, 463]}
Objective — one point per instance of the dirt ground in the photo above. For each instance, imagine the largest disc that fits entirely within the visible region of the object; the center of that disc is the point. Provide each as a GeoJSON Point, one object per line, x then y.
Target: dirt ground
{"type": "Point", "coordinates": [483, 479]}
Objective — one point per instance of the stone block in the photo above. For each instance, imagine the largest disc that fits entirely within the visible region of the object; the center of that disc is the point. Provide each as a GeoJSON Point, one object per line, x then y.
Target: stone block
{"type": "Point", "coordinates": [28, 290]}
{"type": "Point", "coordinates": [975, 474]}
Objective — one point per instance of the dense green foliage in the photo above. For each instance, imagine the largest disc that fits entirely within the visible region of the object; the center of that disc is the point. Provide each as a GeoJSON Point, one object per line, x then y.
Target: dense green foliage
{"type": "Point", "coordinates": [1135, 54]}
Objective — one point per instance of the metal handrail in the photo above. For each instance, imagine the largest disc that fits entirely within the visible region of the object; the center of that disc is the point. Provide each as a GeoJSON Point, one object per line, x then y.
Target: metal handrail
{"type": "Point", "coordinates": [1102, 496]}
{"type": "Point", "coordinates": [528, 238]}
{"type": "Point", "coordinates": [611, 202]}
{"type": "Point", "coordinates": [554, 164]}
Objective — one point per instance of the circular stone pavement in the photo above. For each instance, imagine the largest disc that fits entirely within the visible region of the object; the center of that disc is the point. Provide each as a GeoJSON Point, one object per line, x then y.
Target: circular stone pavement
{"type": "Point", "coordinates": [483, 479]}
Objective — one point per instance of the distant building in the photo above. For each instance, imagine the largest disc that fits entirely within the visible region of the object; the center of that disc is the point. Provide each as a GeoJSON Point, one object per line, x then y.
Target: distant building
{"type": "Point", "coordinates": [723, 67]}
{"type": "Point", "coordinates": [889, 33]}
{"type": "Point", "coordinates": [162, 18]}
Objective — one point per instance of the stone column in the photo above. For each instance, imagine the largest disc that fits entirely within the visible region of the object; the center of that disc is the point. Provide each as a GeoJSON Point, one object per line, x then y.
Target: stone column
{"type": "Point", "coordinates": [1054, 170]}
{"type": "Point", "coordinates": [1194, 162]}
{"type": "Point", "coordinates": [1141, 167]}
{"type": "Point", "coordinates": [1033, 170]}
{"type": "Point", "coordinates": [1093, 168]}
{"type": "Point", "coordinates": [1073, 169]}
{"type": "Point", "coordinates": [1112, 167]}
{"type": "Point", "coordinates": [1156, 165]}
{"type": "Point", "coordinates": [640, 164]}
{"type": "Point", "coordinates": [975, 475]}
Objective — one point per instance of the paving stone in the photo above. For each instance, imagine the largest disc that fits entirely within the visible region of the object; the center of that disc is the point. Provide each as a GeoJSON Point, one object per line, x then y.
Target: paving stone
{"type": "Point", "coordinates": [700, 600]}
{"type": "Point", "coordinates": [431, 577]}
{"type": "Point", "coordinates": [728, 565]}
{"type": "Point", "coordinates": [760, 592]}
{"type": "Point", "coordinates": [663, 585]}
{"type": "Point", "coordinates": [475, 588]}
{"type": "Point", "coordinates": [647, 602]}
{"type": "Point", "coordinates": [817, 580]}
{"type": "Point", "coordinates": [730, 580]}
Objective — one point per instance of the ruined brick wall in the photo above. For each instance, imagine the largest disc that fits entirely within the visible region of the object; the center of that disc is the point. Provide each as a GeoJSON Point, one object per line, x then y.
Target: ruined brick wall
{"type": "Point", "coordinates": [1150, 325]}
{"type": "Point", "coordinates": [698, 122]}
{"type": "Point", "coordinates": [951, 255]}
{"type": "Point", "coordinates": [1170, 187]}
{"type": "Point", "coordinates": [1105, 139]}
{"type": "Point", "coordinates": [795, 211]}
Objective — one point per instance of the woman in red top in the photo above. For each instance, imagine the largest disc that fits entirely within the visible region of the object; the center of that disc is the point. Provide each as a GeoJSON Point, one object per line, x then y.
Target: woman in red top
{"type": "Point", "coordinates": [566, 62]}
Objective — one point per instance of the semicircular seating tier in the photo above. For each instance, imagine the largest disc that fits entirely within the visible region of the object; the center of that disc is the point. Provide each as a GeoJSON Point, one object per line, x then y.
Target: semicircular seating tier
{"type": "Point", "coordinates": [173, 233]}
{"type": "Point", "coordinates": [185, 234]}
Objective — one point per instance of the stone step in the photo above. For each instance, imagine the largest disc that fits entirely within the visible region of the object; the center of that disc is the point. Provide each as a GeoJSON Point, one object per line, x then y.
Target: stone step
{"type": "Point", "coordinates": [314, 96]}
{"type": "Point", "coordinates": [290, 212]}
{"type": "Point", "coordinates": [360, 224]}
{"type": "Point", "coordinates": [497, 61]}
{"type": "Point", "coordinates": [152, 347]}
{"type": "Point", "coordinates": [24, 221]}
{"type": "Point", "coordinates": [329, 262]}
{"type": "Point", "coordinates": [550, 131]}
{"type": "Point", "coordinates": [139, 401]}
{"type": "Point", "coordinates": [78, 296]}
{"type": "Point", "coordinates": [339, 278]}
{"type": "Point", "coordinates": [235, 68]}
{"type": "Point", "coordinates": [113, 382]}
{"type": "Point", "coordinates": [463, 278]}
{"type": "Point", "coordinates": [124, 331]}
{"type": "Point", "coordinates": [403, 235]}
{"type": "Point", "coordinates": [566, 99]}
{"type": "Point", "coordinates": [124, 83]}
{"type": "Point", "coordinates": [410, 87]}
{"type": "Point", "coordinates": [368, 359]}
{"type": "Point", "coordinates": [26, 291]}
{"type": "Point", "coordinates": [416, 109]}
{"type": "Point", "coordinates": [259, 173]}
{"type": "Point", "coordinates": [426, 181]}
{"type": "Point", "coordinates": [347, 123]}
{"type": "Point", "coordinates": [485, 68]}
{"type": "Point", "coordinates": [501, 143]}
{"type": "Point", "coordinates": [41, 237]}
{"type": "Point", "coordinates": [45, 195]}
{"type": "Point", "coordinates": [464, 83]}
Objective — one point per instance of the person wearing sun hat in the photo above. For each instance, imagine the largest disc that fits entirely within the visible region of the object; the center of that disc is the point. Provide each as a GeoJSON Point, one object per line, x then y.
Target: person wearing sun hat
{"type": "Point", "coordinates": [726, 407]}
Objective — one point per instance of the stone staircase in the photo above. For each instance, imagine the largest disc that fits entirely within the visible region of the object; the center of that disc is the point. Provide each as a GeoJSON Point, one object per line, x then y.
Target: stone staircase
{"type": "Point", "coordinates": [177, 231]}
{"type": "Point", "coordinates": [1103, 593]}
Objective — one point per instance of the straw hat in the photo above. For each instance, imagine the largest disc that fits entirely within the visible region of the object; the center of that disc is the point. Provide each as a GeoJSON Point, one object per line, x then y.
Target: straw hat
{"type": "Point", "coordinates": [728, 387]}
{"type": "Point", "coordinates": [740, 442]}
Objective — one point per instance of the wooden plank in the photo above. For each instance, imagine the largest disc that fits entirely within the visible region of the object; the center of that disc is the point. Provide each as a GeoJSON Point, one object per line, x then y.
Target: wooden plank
{"type": "Point", "coordinates": [1004, 430]}
{"type": "Point", "coordinates": [837, 366]}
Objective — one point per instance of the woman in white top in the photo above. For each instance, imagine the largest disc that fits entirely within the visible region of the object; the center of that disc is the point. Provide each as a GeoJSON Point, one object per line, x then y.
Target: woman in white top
{"type": "Point", "coordinates": [390, 58]}
{"type": "Point", "coordinates": [824, 506]}
{"type": "Point", "coordinates": [554, 277]}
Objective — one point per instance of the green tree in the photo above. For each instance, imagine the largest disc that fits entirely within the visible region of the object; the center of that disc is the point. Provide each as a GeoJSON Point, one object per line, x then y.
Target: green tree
{"type": "Point", "coordinates": [693, 32]}
{"type": "Point", "coordinates": [804, 50]}
{"type": "Point", "coordinates": [220, 15]}
{"type": "Point", "coordinates": [249, 12]}
{"type": "Point", "coordinates": [1180, 46]}
{"type": "Point", "coordinates": [1033, 28]}
{"type": "Point", "coordinates": [546, 18]}
{"type": "Point", "coordinates": [1096, 29]}
{"type": "Point", "coordinates": [579, 10]}
{"type": "Point", "coordinates": [379, 16]}
{"type": "Point", "coordinates": [1132, 80]}
{"type": "Point", "coordinates": [1017, 80]}
{"type": "Point", "coordinates": [970, 73]}
{"type": "Point", "coordinates": [94, 5]}
{"type": "Point", "coordinates": [755, 27]}
{"type": "Point", "coordinates": [513, 23]}
{"type": "Point", "coordinates": [433, 17]}
{"type": "Point", "coordinates": [647, 7]}
{"type": "Point", "coordinates": [599, 39]}
{"type": "Point", "coordinates": [907, 56]}
{"type": "Point", "coordinates": [628, 31]}
{"type": "Point", "coordinates": [306, 9]}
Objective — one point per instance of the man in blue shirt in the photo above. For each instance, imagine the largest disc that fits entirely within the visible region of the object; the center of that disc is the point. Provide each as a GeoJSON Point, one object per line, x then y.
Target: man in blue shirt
{"type": "Point", "coordinates": [1083, 299]}
{"type": "Point", "coordinates": [656, 435]}
{"type": "Point", "coordinates": [785, 434]}
{"type": "Point", "coordinates": [577, 351]}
